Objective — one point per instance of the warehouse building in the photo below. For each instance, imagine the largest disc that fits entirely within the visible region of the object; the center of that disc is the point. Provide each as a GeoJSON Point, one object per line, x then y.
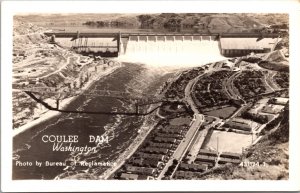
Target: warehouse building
{"type": "Point", "coordinates": [272, 109]}
{"type": "Point", "coordinates": [140, 170]}
{"type": "Point", "coordinates": [241, 124]}
{"type": "Point", "coordinates": [208, 152]}
{"type": "Point", "coordinates": [125, 176]}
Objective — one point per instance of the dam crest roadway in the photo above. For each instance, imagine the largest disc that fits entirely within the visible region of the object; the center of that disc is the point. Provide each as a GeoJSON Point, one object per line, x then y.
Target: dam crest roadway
{"type": "Point", "coordinates": [127, 35]}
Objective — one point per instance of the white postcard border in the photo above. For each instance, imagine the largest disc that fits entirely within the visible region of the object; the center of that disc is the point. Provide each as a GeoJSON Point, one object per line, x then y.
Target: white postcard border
{"type": "Point", "coordinates": [9, 8]}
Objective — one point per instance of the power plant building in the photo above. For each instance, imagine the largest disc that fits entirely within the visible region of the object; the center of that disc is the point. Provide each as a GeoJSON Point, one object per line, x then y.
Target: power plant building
{"type": "Point", "coordinates": [232, 47]}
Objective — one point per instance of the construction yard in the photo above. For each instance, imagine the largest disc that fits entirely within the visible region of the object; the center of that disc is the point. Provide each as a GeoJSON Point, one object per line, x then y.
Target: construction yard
{"type": "Point", "coordinates": [229, 141]}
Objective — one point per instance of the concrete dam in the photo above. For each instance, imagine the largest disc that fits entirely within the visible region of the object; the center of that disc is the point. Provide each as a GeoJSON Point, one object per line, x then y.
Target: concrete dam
{"type": "Point", "coordinates": [172, 48]}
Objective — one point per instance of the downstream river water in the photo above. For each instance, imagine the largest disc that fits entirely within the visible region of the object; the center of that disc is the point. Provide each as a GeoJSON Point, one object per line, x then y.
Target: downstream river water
{"type": "Point", "coordinates": [120, 130]}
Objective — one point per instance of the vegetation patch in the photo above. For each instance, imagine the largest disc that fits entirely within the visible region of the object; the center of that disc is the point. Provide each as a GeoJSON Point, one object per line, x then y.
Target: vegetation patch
{"type": "Point", "coordinates": [180, 121]}
{"type": "Point", "coordinates": [222, 113]}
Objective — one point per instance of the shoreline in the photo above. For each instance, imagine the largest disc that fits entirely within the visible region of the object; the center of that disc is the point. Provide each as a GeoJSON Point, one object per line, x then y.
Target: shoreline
{"type": "Point", "coordinates": [48, 114]}
{"type": "Point", "coordinates": [147, 126]}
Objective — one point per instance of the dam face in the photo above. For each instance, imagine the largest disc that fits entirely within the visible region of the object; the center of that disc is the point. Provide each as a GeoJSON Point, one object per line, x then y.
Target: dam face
{"type": "Point", "coordinates": [167, 49]}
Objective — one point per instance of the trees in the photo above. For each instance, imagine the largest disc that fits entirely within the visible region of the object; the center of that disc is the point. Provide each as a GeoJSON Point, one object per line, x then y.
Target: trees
{"type": "Point", "coordinates": [146, 20]}
{"type": "Point", "coordinates": [262, 119]}
{"type": "Point", "coordinates": [175, 162]}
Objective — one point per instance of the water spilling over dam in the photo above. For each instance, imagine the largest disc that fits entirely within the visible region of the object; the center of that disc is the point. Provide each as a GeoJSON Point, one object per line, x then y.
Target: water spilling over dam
{"type": "Point", "coordinates": [171, 50]}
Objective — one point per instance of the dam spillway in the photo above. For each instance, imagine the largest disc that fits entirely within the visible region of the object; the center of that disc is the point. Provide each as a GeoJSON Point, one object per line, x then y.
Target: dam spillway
{"type": "Point", "coordinates": [171, 50]}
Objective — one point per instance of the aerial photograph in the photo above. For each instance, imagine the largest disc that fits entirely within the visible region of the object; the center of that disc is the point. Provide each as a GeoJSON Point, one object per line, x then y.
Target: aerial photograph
{"type": "Point", "coordinates": [150, 96]}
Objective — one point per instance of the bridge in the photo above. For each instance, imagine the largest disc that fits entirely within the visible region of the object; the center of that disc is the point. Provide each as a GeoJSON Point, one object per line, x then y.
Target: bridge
{"type": "Point", "coordinates": [139, 99]}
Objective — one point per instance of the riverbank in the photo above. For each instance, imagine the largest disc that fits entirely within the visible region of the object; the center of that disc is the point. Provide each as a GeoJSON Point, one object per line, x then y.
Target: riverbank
{"type": "Point", "coordinates": [48, 114]}
{"type": "Point", "coordinates": [145, 129]}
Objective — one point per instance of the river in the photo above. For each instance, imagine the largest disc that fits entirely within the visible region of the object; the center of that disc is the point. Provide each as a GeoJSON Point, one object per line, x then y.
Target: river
{"type": "Point", "coordinates": [120, 130]}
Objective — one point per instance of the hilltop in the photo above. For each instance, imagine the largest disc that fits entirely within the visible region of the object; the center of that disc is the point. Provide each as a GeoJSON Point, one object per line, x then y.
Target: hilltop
{"type": "Point", "coordinates": [196, 21]}
{"type": "Point", "coordinates": [202, 22]}
{"type": "Point", "coordinates": [25, 33]}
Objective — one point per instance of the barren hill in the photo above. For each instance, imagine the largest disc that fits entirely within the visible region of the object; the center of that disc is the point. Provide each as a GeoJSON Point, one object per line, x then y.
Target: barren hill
{"type": "Point", "coordinates": [213, 22]}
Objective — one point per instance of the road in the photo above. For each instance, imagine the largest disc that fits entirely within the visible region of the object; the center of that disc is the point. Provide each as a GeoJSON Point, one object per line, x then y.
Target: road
{"type": "Point", "coordinates": [269, 78]}
{"type": "Point", "coordinates": [58, 70]}
{"type": "Point", "coordinates": [191, 133]}
{"type": "Point", "coordinates": [185, 143]}
{"type": "Point", "coordinates": [187, 93]}
{"type": "Point", "coordinates": [229, 88]}
{"type": "Point", "coordinates": [75, 59]}
{"type": "Point", "coordinates": [237, 112]}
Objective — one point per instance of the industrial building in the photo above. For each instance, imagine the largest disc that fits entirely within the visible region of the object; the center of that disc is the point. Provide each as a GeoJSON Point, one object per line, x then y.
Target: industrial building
{"type": "Point", "coordinates": [193, 167]}
{"type": "Point", "coordinates": [242, 124]}
{"type": "Point", "coordinates": [208, 152]}
{"type": "Point", "coordinates": [280, 101]}
{"type": "Point", "coordinates": [233, 47]}
{"type": "Point", "coordinates": [125, 176]}
{"type": "Point", "coordinates": [272, 109]}
{"type": "Point", "coordinates": [141, 170]}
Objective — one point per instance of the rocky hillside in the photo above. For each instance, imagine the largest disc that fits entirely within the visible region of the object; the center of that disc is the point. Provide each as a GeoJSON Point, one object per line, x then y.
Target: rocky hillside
{"type": "Point", "coordinates": [202, 22]}
{"type": "Point", "coordinates": [23, 28]}
{"type": "Point", "coordinates": [196, 21]}
{"type": "Point", "coordinates": [36, 63]}
{"type": "Point", "coordinates": [27, 33]}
